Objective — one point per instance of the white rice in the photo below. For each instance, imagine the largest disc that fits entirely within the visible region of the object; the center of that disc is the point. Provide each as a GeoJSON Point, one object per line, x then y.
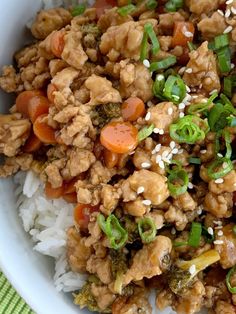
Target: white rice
{"type": "Point", "coordinates": [46, 221]}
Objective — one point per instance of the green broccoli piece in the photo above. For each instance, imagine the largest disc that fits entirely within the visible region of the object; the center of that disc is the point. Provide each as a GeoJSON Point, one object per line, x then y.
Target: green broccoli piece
{"type": "Point", "coordinates": [131, 227]}
{"type": "Point", "coordinates": [104, 113]}
{"type": "Point", "coordinates": [183, 272]}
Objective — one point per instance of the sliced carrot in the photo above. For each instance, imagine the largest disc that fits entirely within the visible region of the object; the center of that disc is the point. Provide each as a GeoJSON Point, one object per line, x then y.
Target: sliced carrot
{"type": "Point", "coordinates": [119, 137]}
{"type": "Point", "coordinates": [53, 193]}
{"type": "Point", "coordinates": [70, 198]}
{"type": "Point", "coordinates": [132, 109]}
{"type": "Point", "coordinates": [37, 106]}
{"type": "Point", "coordinates": [22, 100]}
{"type": "Point", "coordinates": [82, 214]}
{"type": "Point", "coordinates": [43, 131]}
{"type": "Point", "coordinates": [182, 33]}
{"type": "Point", "coordinates": [32, 144]}
{"type": "Point", "coordinates": [102, 5]}
{"type": "Point", "coordinates": [50, 90]}
{"type": "Point", "coordinates": [184, 58]}
{"type": "Point", "coordinates": [58, 43]}
{"type": "Point", "coordinates": [111, 159]}
{"type": "Point", "coordinates": [69, 187]}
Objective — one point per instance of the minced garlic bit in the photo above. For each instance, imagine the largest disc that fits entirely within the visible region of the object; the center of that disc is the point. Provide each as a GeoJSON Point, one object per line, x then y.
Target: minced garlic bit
{"type": "Point", "coordinates": [228, 29]}
{"type": "Point", "coordinates": [146, 165]}
{"type": "Point", "coordinates": [210, 230]}
{"type": "Point", "coordinates": [219, 181]}
{"type": "Point", "coordinates": [147, 202]}
{"type": "Point", "coordinates": [140, 190]}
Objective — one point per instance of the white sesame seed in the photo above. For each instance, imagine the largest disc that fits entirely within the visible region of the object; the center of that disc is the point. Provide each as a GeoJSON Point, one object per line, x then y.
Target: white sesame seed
{"type": "Point", "coordinates": [181, 105]}
{"type": "Point", "coordinates": [181, 115]}
{"type": "Point", "coordinates": [147, 202]}
{"type": "Point", "coordinates": [149, 103]}
{"type": "Point", "coordinates": [210, 230]}
{"type": "Point", "coordinates": [161, 164]}
{"type": "Point", "coordinates": [228, 29]}
{"type": "Point", "coordinates": [217, 222]}
{"type": "Point", "coordinates": [160, 77]}
{"type": "Point", "coordinates": [187, 98]}
{"type": "Point", "coordinates": [146, 63]}
{"type": "Point", "coordinates": [165, 154]}
{"type": "Point", "coordinates": [203, 151]}
{"type": "Point", "coordinates": [189, 70]}
{"type": "Point", "coordinates": [161, 131]}
{"type": "Point", "coordinates": [233, 10]}
{"type": "Point", "coordinates": [154, 151]}
{"type": "Point", "coordinates": [227, 13]}
{"type": "Point", "coordinates": [232, 65]}
{"type": "Point", "coordinates": [158, 147]}
{"type": "Point", "coordinates": [220, 233]}
{"type": "Point", "coordinates": [156, 130]}
{"type": "Point", "coordinates": [219, 181]}
{"type": "Point", "coordinates": [182, 70]}
{"type": "Point", "coordinates": [148, 116]}
{"type": "Point", "coordinates": [212, 92]}
{"type": "Point", "coordinates": [190, 185]}
{"type": "Point", "coordinates": [166, 159]}
{"type": "Point", "coordinates": [173, 231]}
{"type": "Point", "coordinates": [169, 156]}
{"type": "Point", "coordinates": [175, 151]}
{"type": "Point", "coordinates": [195, 96]}
{"type": "Point", "coordinates": [146, 165]}
{"type": "Point", "coordinates": [218, 242]}
{"type": "Point", "coordinates": [219, 155]}
{"type": "Point", "coordinates": [220, 12]}
{"type": "Point", "coordinates": [199, 211]}
{"type": "Point", "coordinates": [158, 158]}
{"type": "Point", "coordinates": [140, 190]}
{"type": "Point", "coordinates": [188, 89]}
{"type": "Point", "coordinates": [229, 1]}
{"type": "Point", "coordinates": [172, 144]}
{"type": "Point", "coordinates": [192, 269]}
{"type": "Point", "coordinates": [188, 34]}
{"type": "Point", "coordinates": [170, 111]}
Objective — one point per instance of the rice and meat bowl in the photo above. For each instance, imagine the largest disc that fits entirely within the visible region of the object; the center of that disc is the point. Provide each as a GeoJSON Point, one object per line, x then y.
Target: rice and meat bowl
{"type": "Point", "coordinates": [122, 143]}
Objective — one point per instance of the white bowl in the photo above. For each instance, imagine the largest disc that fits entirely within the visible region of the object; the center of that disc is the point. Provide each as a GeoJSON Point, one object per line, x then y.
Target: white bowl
{"type": "Point", "coordinates": [29, 272]}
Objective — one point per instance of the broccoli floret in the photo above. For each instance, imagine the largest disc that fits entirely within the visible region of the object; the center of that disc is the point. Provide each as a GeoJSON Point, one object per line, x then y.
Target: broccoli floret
{"type": "Point", "coordinates": [86, 299]}
{"type": "Point", "coordinates": [104, 113]}
{"type": "Point", "coordinates": [91, 29]}
{"type": "Point", "coordinates": [119, 266]}
{"type": "Point", "coordinates": [183, 272]}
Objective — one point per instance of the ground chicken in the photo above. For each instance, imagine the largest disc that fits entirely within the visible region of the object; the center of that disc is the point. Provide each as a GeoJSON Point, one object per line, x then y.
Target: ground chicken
{"type": "Point", "coordinates": [99, 174]}
{"type": "Point", "coordinates": [167, 20]}
{"type": "Point", "coordinates": [176, 216]}
{"type": "Point", "coordinates": [56, 65]}
{"type": "Point", "coordinates": [154, 184]}
{"type": "Point", "coordinates": [13, 164]}
{"type": "Point", "coordinates": [103, 296]}
{"type": "Point", "coordinates": [26, 55]}
{"type": "Point", "coordinates": [79, 161]}
{"type": "Point", "coordinates": [135, 208]}
{"type": "Point", "coordinates": [224, 308]}
{"type": "Point", "coordinates": [158, 217]}
{"type": "Point", "coordinates": [49, 20]}
{"type": "Point", "coordinates": [160, 116]}
{"type": "Point", "coordinates": [213, 26]}
{"type": "Point", "coordinates": [227, 249]}
{"type": "Point", "coordinates": [203, 69]}
{"type": "Point", "coordinates": [77, 253]}
{"type": "Point", "coordinates": [101, 267]}
{"type": "Point", "coordinates": [135, 81]}
{"type": "Point", "coordinates": [10, 81]}
{"type": "Point", "coordinates": [219, 205]}
{"type": "Point", "coordinates": [228, 185]}
{"type": "Point", "coordinates": [110, 196]}
{"type": "Point", "coordinates": [150, 261]}
{"type": "Point", "coordinates": [73, 52]}
{"type": "Point", "coordinates": [101, 91]}
{"type": "Point", "coordinates": [53, 172]}
{"type": "Point", "coordinates": [124, 40]}
{"type": "Point", "coordinates": [185, 202]}
{"type": "Point", "coordinates": [14, 131]}
{"type": "Point", "coordinates": [202, 6]}
{"type": "Point", "coordinates": [112, 18]}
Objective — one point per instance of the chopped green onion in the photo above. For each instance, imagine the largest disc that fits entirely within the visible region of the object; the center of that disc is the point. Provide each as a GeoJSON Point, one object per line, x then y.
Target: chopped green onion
{"type": "Point", "coordinates": [177, 182]}
{"type": "Point", "coordinates": [217, 117]}
{"type": "Point", "coordinates": [221, 41]}
{"type": "Point", "coordinates": [195, 234]}
{"type": "Point", "coordinates": [116, 234]}
{"type": "Point", "coordinates": [148, 28]}
{"type": "Point", "coordinates": [144, 47]}
{"type": "Point", "coordinates": [174, 5]}
{"type": "Point", "coordinates": [163, 64]}
{"type": "Point", "coordinates": [178, 243]}
{"type": "Point", "coordinates": [78, 10]}
{"type": "Point", "coordinates": [127, 9]}
{"type": "Point", "coordinates": [187, 131]}
{"type": "Point", "coordinates": [147, 229]}
{"type": "Point", "coordinates": [228, 86]}
{"type": "Point", "coordinates": [225, 166]}
{"type": "Point", "coordinates": [175, 89]}
{"type": "Point", "coordinates": [191, 46]}
{"type": "Point", "coordinates": [228, 104]}
{"type": "Point", "coordinates": [224, 59]}
{"type": "Point", "coordinates": [159, 86]}
{"type": "Point", "coordinates": [145, 132]}
{"type": "Point", "coordinates": [151, 4]}
{"type": "Point", "coordinates": [211, 46]}
{"type": "Point", "coordinates": [228, 279]}
{"type": "Point", "coordinates": [195, 160]}
{"type": "Point", "coordinates": [198, 108]}
{"type": "Point", "coordinates": [234, 229]}
{"type": "Point", "coordinates": [231, 121]}
{"type": "Point", "coordinates": [227, 138]}
{"type": "Point", "coordinates": [208, 237]}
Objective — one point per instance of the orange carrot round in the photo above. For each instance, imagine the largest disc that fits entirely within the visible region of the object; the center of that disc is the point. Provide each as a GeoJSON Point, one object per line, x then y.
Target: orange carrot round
{"type": "Point", "coordinates": [37, 106]}
{"type": "Point", "coordinates": [132, 109]}
{"type": "Point", "coordinates": [182, 33]}
{"type": "Point", "coordinates": [119, 137]}
{"type": "Point", "coordinates": [53, 193]}
{"type": "Point", "coordinates": [32, 144]}
{"type": "Point", "coordinates": [111, 159]}
{"type": "Point", "coordinates": [58, 43]}
{"type": "Point", "coordinates": [102, 5]}
{"type": "Point", "coordinates": [43, 131]}
{"type": "Point", "coordinates": [70, 198]}
{"type": "Point", "coordinates": [82, 214]}
{"type": "Point", "coordinates": [22, 100]}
